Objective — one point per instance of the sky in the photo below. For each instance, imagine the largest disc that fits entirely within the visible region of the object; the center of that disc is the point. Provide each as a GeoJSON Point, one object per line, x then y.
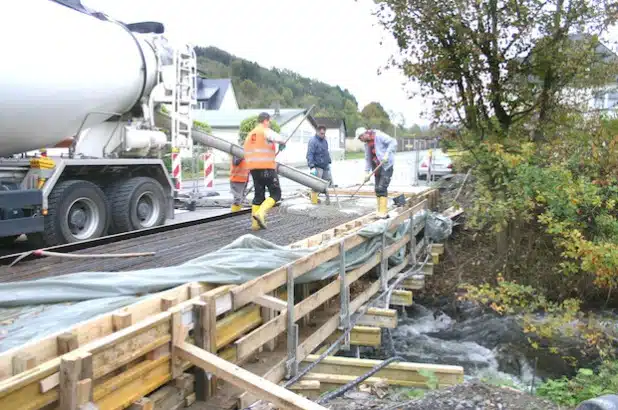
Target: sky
{"type": "Point", "coordinates": [338, 42]}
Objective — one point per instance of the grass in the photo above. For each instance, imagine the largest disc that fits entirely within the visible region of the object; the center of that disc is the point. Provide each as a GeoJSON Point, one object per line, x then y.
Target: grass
{"type": "Point", "coordinates": [354, 155]}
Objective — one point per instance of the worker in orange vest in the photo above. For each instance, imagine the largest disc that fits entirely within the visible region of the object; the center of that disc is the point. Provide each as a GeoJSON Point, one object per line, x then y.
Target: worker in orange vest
{"type": "Point", "coordinates": [239, 177]}
{"type": "Point", "coordinates": [260, 160]}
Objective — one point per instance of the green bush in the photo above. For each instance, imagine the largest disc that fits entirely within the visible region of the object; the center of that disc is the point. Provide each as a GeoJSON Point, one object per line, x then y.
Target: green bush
{"type": "Point", "coordinates": [249, 124]}
{"type": "Point", "coordinates": [586, 384]}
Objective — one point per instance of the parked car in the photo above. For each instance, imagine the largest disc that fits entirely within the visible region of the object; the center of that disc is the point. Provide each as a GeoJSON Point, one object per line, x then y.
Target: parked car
{"type": "Point", "coordinates": [439, 165]}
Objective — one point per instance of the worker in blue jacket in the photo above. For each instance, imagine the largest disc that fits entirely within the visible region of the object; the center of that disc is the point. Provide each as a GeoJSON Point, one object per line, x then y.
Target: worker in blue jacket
{"type": "Point", "coordinates": [379, 149]}
{"type": "Point", "coordinates": [318, 160]}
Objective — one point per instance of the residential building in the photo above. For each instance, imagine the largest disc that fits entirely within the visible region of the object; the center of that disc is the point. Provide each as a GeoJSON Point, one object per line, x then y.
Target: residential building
{"type": "Point", "coordinates": [215, 94]}
{"type": "Point", "coordinates": [226, 124]}
{"type": "Point", "coordinates": [335, 135]}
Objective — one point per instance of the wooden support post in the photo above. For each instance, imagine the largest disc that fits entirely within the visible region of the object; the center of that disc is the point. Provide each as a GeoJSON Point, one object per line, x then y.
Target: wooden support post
{"type": "Point", "coordinates": [246, 380]}
{"type": "Point", "coordinates": [194, 291]}
{"type": "Point", "coordinates": [167, 302]}
{"type": "Point", "coordinates": [84, 391]}
{"type": "Point", "coordinates": [304, 292]}
{"type": "Point", "coordinates": [87, 373]}
{"type": "Point", "coordinates": [67, 342]}
{"type": "Point", "coordinates": [23, 362]}
{"type": "Point", "coordinates": [201, 336]}
{"type": "Point", "coordinates": [70, 371]}
{"type": "Point", "coordinates": [121, 320]}
{"type": "Point", "coordinates": [210, 325]}
{"type": "Point", "coordinates": [178, 337]}
{"type": "Point", "coordinates": [267, 315]}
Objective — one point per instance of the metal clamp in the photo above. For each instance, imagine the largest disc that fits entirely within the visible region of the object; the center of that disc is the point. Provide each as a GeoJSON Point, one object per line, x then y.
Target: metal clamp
{"type": "Point", "coordinates": [344, 294]}
{"type": "Point", "coordinates": [291, 363]}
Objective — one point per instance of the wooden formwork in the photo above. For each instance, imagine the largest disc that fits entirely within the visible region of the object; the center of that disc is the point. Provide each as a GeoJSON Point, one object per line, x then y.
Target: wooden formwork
{"type": "Point", "coordinates": [116, 359]}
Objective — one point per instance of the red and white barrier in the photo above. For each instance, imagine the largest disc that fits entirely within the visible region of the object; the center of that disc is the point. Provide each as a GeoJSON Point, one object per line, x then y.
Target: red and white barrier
{"type": "Point", "coordinates": [209, 171]}
{"type": "Point", "coordinates": [176, 168]}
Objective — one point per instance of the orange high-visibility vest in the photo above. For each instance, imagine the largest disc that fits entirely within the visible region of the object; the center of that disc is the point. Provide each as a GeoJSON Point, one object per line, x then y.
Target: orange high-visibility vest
{"type": "Point", "coordinates": [239, 173]}
{"type": "Point", "coordinates": [259, 153]}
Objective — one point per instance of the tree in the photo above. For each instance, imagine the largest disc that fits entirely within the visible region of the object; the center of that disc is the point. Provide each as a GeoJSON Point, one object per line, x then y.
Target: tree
{"type": "Point", "coordinates": [375, 116]}
{"type": "Point", "coordinates": [495, 64]}
{"type": "Point", "coordinates": [249, 124]}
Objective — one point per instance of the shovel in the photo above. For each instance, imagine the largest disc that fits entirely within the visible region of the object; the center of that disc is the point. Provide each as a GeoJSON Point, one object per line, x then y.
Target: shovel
{"type": "Point", "coordinates": [366, 180]}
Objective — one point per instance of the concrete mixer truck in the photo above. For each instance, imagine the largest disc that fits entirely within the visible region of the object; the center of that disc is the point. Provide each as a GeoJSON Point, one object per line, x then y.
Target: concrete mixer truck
{"type": "Point", "coordinates": [75, 78]}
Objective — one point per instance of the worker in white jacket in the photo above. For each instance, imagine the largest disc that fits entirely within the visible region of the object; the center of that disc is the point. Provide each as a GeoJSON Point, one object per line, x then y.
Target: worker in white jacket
{"type": "Point", "coordinates": [379, 149]}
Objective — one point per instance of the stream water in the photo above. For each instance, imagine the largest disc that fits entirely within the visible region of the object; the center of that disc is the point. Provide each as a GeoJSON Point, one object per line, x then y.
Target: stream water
{"type": "Point", "coordinates": [489, 347]}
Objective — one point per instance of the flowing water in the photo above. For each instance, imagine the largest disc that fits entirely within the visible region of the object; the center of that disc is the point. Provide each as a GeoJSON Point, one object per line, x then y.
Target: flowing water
{"type": "Point", "coordinates": [489, 347]}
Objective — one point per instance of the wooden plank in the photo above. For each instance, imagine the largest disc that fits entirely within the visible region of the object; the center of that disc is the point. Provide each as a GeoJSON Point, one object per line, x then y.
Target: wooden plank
{"type": "Point", "coordinates": [142, 404]}
{"type": "Point", "coordinates": [332, 381]}
{"type": "Point", "coordinates": [121, 320]}
{"type": "Point", "coordinates": [361, 336]}
{"type": "Point", "coordinates": [415, 282]}
{"type": "Point", "coordinates": [200, 334]}
{"type": "Point", "coordinates": [277, 372]}
{"type": "Point", "coordinates": [178, 337]}
{"type": "Point", "coordinates": [245, 379]}
{"type": "Point", "coordinates": [210, 345]}
{"type": "Point", "coordinates": [23, 362]}
{"type": "Point", "coordinates": [231, 327]}
{"type": "Point", "coordinates": [271, 302]}
{"type": "Point", "coordinates": [84, 391]}
{"type": "Point", "coordinates": [67, 342]}
{"type": "Point", "coordinates": [47, 348]}
{"type": "Point", "coordinates": [383, 318]}
{"type": "Point", "coordinates": [402, 298]}
{"type": "Point", "coordinates": [395, 372]}
{"type": "Point", "coordinates": [167, 302]}
{"type": "Point", "coordinates": [70, 370]}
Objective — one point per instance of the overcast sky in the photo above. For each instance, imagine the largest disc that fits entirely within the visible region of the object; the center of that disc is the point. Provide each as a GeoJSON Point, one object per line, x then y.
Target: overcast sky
{"type": "Point", "coordinates": [334, 41]}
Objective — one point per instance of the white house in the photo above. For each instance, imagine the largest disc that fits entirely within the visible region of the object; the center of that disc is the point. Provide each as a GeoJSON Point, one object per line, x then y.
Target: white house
{"type": "Point", "coordinates": [226, 124]}
{"type": "Point", "coordinates": [215, 94]}
{"type": "Point", "coordinates": [335, 135]}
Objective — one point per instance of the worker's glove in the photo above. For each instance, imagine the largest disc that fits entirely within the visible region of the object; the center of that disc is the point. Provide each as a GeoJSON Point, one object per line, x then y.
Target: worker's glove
{"type": "Point", "coordinates": [367, 177]}
{"type": "Point", "coordinates": [281, 147]}
{"type": "Point", "coordinates": [385, 159]}
{"type": "Point", "coordinates": [314, 172]}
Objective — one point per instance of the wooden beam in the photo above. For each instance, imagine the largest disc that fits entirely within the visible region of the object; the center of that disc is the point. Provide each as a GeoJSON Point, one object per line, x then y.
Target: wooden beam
{"type": "Point", "coordinates": [70, 370]}
{"type": "Point", "coordinates": [395, 373]}
{"type": "Point", "coordinates": [121, 320]}
{"type": "Point", "coordinates": [362, 336]}
{"type": "Point", "coordinates": [23, 362]}
{"type": "Point", "coordinates": [67, 342]}
{"type": "Point", "coordinates": [47, 348]}
{"type": "Point", "coordinates": [402, 298]}
{"type": "Point", "coordinates": [271, 302]}
{"type": "Point", "coordinates": [245, 380]}
{"type": "Point", "coordinates": [383, 318]}
{"type": "Point", "coordinates": [415, 282]}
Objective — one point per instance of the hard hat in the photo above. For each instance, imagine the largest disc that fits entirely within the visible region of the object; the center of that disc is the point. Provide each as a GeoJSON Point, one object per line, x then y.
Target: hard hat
{"type": "Point", "coordinates": [360, 131]}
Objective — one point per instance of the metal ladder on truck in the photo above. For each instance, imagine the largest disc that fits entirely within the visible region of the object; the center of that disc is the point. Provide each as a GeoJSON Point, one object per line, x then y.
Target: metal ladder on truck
{"type": "Point", "coordinates": [183, 98]}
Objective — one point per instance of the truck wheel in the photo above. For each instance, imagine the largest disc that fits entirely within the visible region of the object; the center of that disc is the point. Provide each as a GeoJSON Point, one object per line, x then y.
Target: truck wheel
{"type": "Point", "coordinates": [77, 211]}
{"type": "Point", "coordinates": [7, 241]}
{"type": "Point", "coordinates": [137, 203]}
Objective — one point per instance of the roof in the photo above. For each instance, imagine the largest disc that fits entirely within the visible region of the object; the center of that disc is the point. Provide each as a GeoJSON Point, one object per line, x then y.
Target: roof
{"type": "Point", "coordinates": [233, 118]}
{"type": "Point", "coordinates": [329, 122]}
{"type": "Point", "coordinates": [212, 90]}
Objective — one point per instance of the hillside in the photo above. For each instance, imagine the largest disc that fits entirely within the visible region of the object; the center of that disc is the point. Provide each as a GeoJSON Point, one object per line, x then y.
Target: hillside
{"type": "Point", "coordinates": [257, 86]}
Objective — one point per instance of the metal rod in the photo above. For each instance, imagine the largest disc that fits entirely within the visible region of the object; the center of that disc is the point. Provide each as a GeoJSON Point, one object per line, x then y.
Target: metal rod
{"type": "Point", "coordinates": [344, 294]}
{"type": "Point", "coordinates": [292, 363]}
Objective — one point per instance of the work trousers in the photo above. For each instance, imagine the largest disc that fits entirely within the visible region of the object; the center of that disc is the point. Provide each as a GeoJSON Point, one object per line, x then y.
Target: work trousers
{"type": "Point", "coordinates": [238, 190]}
{"type": "Point", "coordinates": [383, 180]}
{"type": "Point", "coordinates": [262, 179]}
{"type": "Point", "coordinates": [325, 175]}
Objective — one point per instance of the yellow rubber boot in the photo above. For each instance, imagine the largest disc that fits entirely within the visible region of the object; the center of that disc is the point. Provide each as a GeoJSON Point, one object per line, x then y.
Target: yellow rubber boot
{"type": "Point", "coordinates": [382, 206]}
{"type": "Point", "coordinates": [236, 208]}
{"type": "Point", "coordinates": [260, 216]}
{"type": "Point", "coordinates": [314, 198]}
{"type": "Point", "coordinates": [255, 226]}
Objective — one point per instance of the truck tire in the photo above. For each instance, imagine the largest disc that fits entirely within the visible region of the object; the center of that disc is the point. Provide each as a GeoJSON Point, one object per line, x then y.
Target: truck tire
{"type": "Point", "coordinates": [606, 402]}
{"type": "Point", "coordinates": [77, 211]}
{"type": "Point", "coordinates": [137, 203]}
